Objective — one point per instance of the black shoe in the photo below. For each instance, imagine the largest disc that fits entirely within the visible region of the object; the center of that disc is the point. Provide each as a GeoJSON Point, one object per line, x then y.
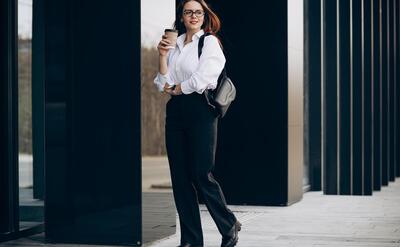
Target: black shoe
{"type": "Point", "coordinates": [189, 245]}
{"type": "Point", "coordinates": [233, 238]}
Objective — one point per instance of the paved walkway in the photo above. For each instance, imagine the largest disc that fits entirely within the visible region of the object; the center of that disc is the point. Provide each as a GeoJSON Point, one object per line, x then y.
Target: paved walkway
{"type": "Point", "coordinates": [155, 174]}
{"type": "Point", "coordinates": [317, 220]}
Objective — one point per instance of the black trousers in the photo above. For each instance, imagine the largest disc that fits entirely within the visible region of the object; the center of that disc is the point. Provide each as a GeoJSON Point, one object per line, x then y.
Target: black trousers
{"type": "Point", "coordinates": [191, 138]}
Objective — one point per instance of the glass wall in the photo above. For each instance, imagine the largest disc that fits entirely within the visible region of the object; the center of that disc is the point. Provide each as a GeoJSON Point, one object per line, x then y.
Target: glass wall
{"type": "Point", "coordinates": [159, 213]}
{"type": "Point", "coordinates": [31, 207]}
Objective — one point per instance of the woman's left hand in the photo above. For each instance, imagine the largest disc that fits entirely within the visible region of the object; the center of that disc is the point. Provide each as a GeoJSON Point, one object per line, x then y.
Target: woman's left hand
{"type": "Point", "coordinates": [177, 90]}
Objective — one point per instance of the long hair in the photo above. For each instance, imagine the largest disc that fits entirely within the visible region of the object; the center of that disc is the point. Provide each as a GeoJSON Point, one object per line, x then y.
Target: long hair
{"type": "Point", "coordinates": [211, 24]}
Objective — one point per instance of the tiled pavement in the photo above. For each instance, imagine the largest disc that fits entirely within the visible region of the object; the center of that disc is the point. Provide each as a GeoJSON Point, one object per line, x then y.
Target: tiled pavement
{"type": "Point", "coordinates": [317, 220]}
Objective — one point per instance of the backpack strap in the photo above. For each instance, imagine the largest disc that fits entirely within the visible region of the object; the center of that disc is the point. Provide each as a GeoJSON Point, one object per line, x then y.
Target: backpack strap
{"type": "Point", "coordinates": [200, 48]}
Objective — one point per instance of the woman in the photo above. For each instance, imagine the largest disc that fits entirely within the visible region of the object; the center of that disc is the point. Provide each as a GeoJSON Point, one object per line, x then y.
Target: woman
{"type": "Point", "coordinates": [191, 125]}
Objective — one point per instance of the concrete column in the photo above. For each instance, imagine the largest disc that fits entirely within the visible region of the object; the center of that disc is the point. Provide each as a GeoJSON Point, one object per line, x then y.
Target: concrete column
{"type": "Point", "coordinates": [330, 92]}
{"type": "Point", "coordinates": [357, 86]}
{"type": "Point", "coordinates": [384, 92]}
{"type": "Point", "coordinates": [312, 93]}
{"type": "Point", "coordinates": [344, 97]}
{"type": "Point", "coordinates": [377, 112]}
{"type": "Point", "coordinates": [397, 85]}
{"type": "Point", "coordinates": [391, 92]}
{"type": "Point", "coordinates": [260, 143]}
{"type": "Point", "coordinates": [38, 95]}
{"type": "Point", "coordinates": [368, 100]}
{"type": "Point", "coordinates": [9, 202]}
{"type": "Point", "coordinates": [92, 123]}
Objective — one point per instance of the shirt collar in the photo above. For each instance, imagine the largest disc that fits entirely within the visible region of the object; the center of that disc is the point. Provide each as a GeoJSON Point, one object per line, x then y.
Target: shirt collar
{"type": "Point", "coordinates": [181, 39]}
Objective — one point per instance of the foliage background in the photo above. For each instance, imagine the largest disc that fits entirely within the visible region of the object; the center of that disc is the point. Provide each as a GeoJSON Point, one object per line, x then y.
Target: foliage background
{"type": "Point", "coordinates": [152, 110]}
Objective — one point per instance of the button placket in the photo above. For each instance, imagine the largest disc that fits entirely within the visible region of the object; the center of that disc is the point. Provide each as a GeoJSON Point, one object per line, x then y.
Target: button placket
{"type": "Point", "coordinates": [177, 65]}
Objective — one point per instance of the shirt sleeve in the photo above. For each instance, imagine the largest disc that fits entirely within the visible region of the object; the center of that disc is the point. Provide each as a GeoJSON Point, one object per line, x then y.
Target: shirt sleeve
{"type": "Point", "coordinates": [161, 79]}
{"type": "Point", "coordinates": [211, 64]}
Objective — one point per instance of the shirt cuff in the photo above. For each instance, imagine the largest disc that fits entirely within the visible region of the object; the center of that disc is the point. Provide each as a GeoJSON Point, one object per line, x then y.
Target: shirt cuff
{"type": "Point", "coordinates": [161, 80]}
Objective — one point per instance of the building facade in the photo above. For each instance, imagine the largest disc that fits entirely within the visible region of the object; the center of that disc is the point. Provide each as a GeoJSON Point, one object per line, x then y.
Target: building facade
{"type": "Point", "coordinates": [317, 109]}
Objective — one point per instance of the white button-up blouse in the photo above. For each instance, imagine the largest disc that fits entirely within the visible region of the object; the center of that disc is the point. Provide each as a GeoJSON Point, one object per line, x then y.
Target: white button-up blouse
{"type": "Point", "coordinates": [184, 66]}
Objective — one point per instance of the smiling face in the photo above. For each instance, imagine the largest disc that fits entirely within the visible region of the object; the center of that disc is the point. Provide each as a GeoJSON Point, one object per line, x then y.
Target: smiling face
{"type": "Point", "coordinates": [193, 16]}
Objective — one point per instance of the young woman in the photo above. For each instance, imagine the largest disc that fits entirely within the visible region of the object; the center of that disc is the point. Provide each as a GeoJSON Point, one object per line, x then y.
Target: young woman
{"type": "Point", "coordinates": [191, 125]}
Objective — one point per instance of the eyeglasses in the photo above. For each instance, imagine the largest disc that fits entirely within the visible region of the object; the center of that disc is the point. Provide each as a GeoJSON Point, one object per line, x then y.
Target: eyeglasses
{"type": "Point", "coordinates": [197, 13]}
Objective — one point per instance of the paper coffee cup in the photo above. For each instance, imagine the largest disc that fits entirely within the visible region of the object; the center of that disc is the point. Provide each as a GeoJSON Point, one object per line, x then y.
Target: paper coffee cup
{"type": "Point", "coordinates": [172, 35]}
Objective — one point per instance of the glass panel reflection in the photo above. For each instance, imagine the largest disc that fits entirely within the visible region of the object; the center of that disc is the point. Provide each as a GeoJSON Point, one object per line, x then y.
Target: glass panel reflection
{"type": "Point", "coordinates": [31, 207]}
{"type": "Point", "coordinates": [159, 213]}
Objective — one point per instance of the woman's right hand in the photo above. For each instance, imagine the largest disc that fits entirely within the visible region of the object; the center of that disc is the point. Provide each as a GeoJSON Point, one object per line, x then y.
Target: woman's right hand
{"type": "Point", "coordinates": [163, 51]}
{"type": "Point", "coordinates": [167, 88]}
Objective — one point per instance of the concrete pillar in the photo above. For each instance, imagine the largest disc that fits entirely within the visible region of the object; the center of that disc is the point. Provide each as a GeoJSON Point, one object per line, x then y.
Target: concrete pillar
{"type": "Point", "coordinates": [330, 91]}
{"type": "Point", "coordinates": [260, 143]}
{"type": "Point", "coordinates": [377, 112]}
{"type": "Point", "coordinates": [384, 93]}
{"type": "Point", "coordinates": [92, 123]}
{"type": "Point", "coordinates": [391, 92]}
{"type": "Point", "coordinates": [344, 98]}
{"type": "Point", "coordinates": [368, 100]}
{"type": "Point", "coordinates": [9, 201]}
{"type": "Point", "coordinates": [357, 86]}
{"type": "Point", "coordinates": [312, 92]}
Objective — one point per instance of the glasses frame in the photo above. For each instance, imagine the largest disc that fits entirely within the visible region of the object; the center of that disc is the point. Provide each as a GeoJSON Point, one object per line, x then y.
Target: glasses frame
{"type": "Point", "coordinates": [193, 12]}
